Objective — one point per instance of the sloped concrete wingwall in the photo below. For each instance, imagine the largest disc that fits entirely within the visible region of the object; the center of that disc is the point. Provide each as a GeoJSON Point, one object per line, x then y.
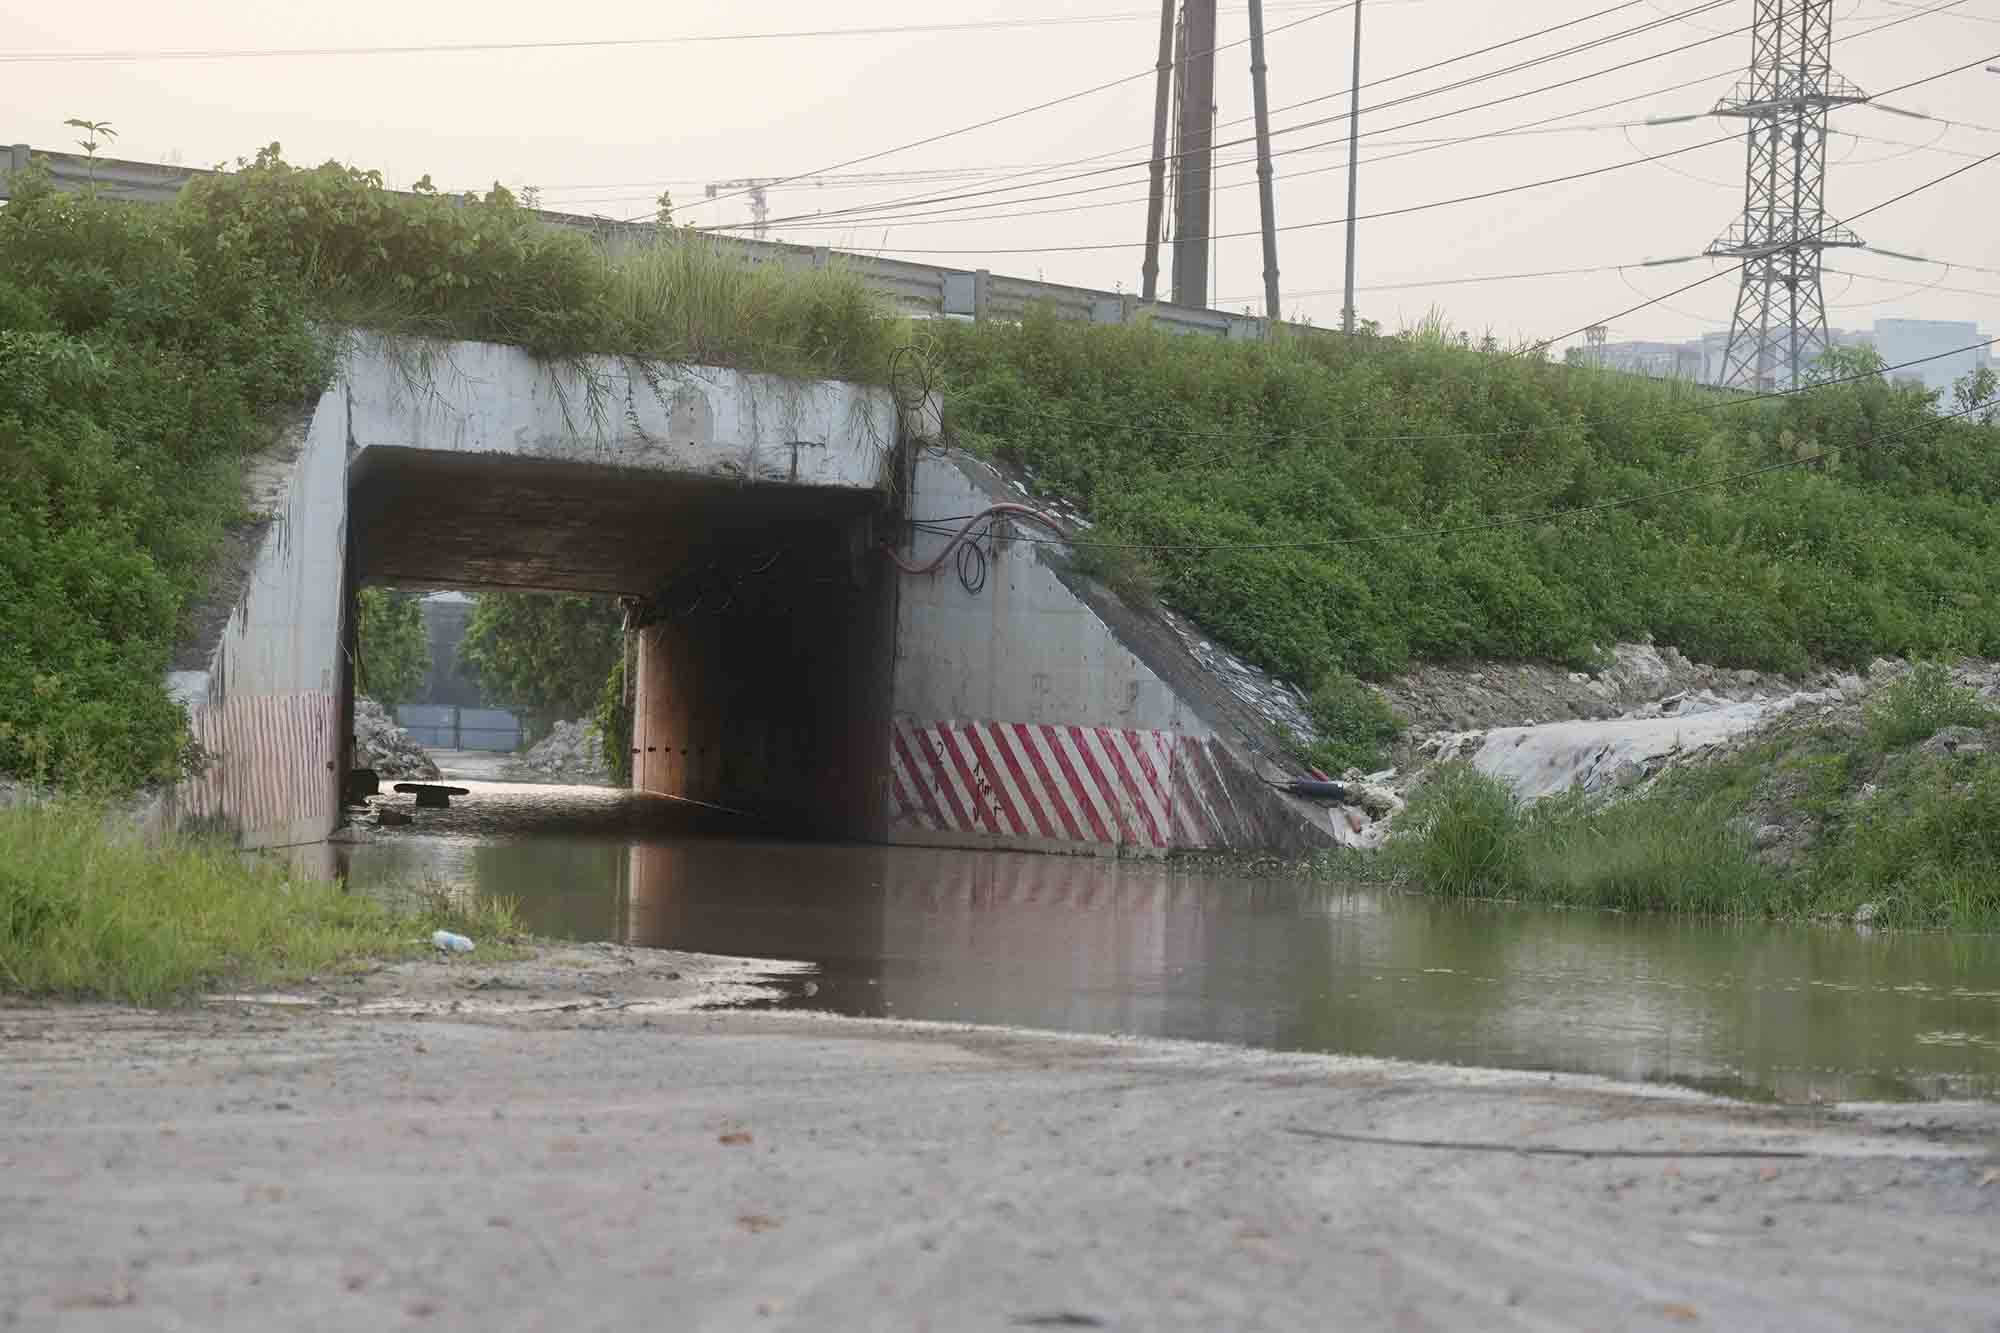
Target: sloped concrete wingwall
{"type": "Point", "coordinates": [266, 709]}
{"type": "Point", "coordinates": [1021, 720]}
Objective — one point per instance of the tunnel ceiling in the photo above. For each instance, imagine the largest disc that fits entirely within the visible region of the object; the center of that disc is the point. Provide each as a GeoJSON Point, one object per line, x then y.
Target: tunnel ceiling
{"type": "Point", "coordinates": [439, 519]}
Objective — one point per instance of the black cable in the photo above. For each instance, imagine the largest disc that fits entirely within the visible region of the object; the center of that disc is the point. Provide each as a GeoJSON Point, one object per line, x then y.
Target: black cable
{"type": "Point", "coordinates": [1014, 115]}
{"type": "Point", "coordinates": [1737, 268]}
{"type": "Point", "coordinates": [556, 44]}
{"type": "Point", "coordinates": [875, 213]}
{"type": "Point", "coordinates": [1342, 220]}
{"type": "Point", "coordinates": [971, 567]}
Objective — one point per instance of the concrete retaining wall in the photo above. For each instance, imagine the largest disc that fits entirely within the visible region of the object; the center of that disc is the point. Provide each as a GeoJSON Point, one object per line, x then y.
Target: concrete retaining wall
{"type": "Point", "coordinates": [266, 710]}
{"type": "Point", "coordinates": [1022, 720]}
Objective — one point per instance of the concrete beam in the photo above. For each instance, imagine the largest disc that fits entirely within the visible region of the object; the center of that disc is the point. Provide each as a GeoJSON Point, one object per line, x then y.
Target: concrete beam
{"type": "Point", "coordinates": [699, 422]}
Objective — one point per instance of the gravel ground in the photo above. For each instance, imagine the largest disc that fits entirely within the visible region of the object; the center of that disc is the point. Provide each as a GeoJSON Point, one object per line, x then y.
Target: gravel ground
{"type": "Point", "coordinates": [571, 1142]}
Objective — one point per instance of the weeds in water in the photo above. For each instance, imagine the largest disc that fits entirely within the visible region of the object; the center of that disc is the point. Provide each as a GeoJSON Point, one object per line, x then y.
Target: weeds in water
{"type": "Point", "coordinates": [1462, 836]}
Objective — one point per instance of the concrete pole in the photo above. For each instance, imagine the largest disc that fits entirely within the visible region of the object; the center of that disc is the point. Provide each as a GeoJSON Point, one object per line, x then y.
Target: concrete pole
{"type": "Point", "coordinates": [1353, 168]}
{"type": "Point", "coordinates": [1266, 207]}
{"type": "Point", "coordinates": [1191, 225]}
{"type": "Point", "coordinates": [1156, 199]}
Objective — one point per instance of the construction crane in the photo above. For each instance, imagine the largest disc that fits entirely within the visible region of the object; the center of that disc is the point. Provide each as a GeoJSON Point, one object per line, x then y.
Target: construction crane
{"type": "Point", "coordinates": [757, 187]}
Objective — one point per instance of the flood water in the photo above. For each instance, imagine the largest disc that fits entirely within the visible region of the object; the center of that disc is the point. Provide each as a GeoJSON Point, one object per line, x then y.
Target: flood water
{"type": "Point", "coordinates": [1786, 1012]}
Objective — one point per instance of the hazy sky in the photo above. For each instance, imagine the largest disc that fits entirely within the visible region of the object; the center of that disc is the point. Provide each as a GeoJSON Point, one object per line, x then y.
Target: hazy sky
{"type": "Point", "coordinates": [602, 129]}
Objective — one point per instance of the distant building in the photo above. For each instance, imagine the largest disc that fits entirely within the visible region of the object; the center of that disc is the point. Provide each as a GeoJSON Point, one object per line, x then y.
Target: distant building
{"type": "Point", "coordinates": [1896, 340]}
{"type": "Point", "coordinates": [445, 617]}
{"type": "Point", "coordinates": [1900, 340]}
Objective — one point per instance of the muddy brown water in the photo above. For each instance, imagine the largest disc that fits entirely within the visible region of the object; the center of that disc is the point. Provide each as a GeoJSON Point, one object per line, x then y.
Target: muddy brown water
{"type": "Point", "coordinates": [1793, 1013]}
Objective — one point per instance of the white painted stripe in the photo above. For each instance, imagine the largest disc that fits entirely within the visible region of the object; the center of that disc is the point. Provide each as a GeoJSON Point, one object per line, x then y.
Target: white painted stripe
{"type": "Point", "coordinates": [1048, 742]}
{"type": "Point", "coordinates": [905, 800]}
{"type": "Point", "coordinates": [1129, 824]}
{"type": "Point", "coordinates": [1001, 774]}
{"type": "Point", "coordinates": [1087, 792]}
{"type": "Point", "coordinates": [938, 740]}
{"type": "Point", "coordinates": [1032, 785]}
{"type": "Point", "coordinates": [1145, 794]}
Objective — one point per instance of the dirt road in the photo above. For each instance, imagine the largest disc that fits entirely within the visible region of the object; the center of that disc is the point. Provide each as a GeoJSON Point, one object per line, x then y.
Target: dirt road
{"type": "Point", "coordinates": [573, 1149]}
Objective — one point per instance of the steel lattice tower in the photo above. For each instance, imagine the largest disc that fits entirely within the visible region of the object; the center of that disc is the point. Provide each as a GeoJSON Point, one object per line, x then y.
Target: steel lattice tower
{"type": "Point", "coordinates": [1780, 311]}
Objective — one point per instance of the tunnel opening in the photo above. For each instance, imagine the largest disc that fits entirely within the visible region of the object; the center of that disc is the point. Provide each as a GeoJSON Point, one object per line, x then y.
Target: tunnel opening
{"type": "Point", "coordinates": [759, 619]}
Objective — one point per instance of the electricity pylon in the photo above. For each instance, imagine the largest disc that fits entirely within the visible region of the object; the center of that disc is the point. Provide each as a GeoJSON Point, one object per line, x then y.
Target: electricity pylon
{"type": "Point", "coordinates": [1780, 309]}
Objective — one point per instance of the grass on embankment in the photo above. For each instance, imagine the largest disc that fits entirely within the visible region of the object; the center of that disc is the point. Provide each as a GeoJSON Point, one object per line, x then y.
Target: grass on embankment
{"type": "Point", "coordinates": [146, 353]}
{"type": "Point", "coordinates": [1867, 815]}
{"type": "Point", "coordinates": [90, 913]}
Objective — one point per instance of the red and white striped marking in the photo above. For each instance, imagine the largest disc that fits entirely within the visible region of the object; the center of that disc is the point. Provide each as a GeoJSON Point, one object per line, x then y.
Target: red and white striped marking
{"type": "Point", "coordinates": [272, 761]}
{"type": "Point", "coordinates": [1091, 786]}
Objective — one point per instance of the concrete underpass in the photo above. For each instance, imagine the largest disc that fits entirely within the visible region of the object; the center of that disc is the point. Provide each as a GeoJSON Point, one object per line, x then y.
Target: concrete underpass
{"type": "Point", "coordinates": [763, 645]}
{"type": "Point", "coordinates": [797, 651]}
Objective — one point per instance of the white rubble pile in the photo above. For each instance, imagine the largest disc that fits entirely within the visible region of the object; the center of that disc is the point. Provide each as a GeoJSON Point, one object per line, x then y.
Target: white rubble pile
{"type": "Point", "coordinates": [1631, 749]}
{"type": "Point", "coordinates": [569, 753]}
{"type": "Point", "coordinates": [380, 744]}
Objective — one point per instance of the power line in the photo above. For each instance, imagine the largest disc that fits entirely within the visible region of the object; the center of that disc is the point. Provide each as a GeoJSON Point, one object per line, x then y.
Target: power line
{"type": "Point", "coordinates": [1733, 268]}
{"type": "Point", "coordinates": [1012, 115]}
{"type": "Point", "coordinates": [1625, 4]}
{"type": "Point", "coordinates": [1335, 221]}
{"type": "Point", "coordinates": [874, 211]}
{"type": "Point", "coordinates": [588, 43]}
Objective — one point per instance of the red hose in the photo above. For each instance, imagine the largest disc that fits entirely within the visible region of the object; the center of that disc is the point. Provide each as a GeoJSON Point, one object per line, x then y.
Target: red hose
{"type": "Point", "coordinates": [1019, 510]}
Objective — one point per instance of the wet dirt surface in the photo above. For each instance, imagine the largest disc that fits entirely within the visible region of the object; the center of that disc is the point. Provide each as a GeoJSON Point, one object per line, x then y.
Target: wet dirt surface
{"type": "Point", "coordinates": [1796, 1014]}
{"type": "Point", "coordinates": [305, 1166]}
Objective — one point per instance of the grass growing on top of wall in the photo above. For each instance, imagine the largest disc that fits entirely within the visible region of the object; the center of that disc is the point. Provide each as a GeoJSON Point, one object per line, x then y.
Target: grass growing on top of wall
{"type": "Point", "coordinates": [1884, 546]}
{"type": "Point", "coordinates": [88, 913]}
{"type": "Point", "coordinates": [484, 267]}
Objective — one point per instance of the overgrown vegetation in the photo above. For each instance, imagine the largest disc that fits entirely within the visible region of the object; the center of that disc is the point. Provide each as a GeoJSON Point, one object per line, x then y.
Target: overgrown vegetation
{"type": "Point", "coordinates": [546, 656]}
{"type": "Point", "coordinates": [393, 653]}
{"type": "Point", "coordinates": [136, 373]}
{"type": "Point", "coordinates": [483, 266]}
{"type": "Point", "coordinates": [1875, 823]}
{"type": "Point", "coordinates": [1308, 459]}
{"type": "Point", "coordinates": [145, 352]}
{"type": "Point", "coordinates": [1353, 723]}
{"type": "Point", "coordinates": [87, 913]}
{"type": "Point", "coordinates": [613, 719]}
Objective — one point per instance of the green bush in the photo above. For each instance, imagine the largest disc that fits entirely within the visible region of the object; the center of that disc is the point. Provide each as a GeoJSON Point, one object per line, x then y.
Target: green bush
{"type": "Point", "coordinates": [1354, 724]}
{"type": "Point", "coordinates": [1270, 451]}
{"type": "Point", "coordinates": [544, 655]}
{"type": "Point", "coordinates": [613, 719]}
{"type": "Point", "coordinates": [1924, 849]}
{"type": "Point", "coordinates": [134, 379]}
{"type": "Point", "coordinates": [1922, 704]}
{"type": "Point", "coordinates": [393, 647]}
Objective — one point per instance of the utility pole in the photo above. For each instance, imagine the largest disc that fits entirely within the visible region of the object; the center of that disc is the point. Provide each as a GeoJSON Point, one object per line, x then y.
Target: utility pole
{"type": "Point", "coordinates": [1780, 308]}
{"type": "Point", "coordinates": [1156, 198]}
{"type": "Point", "coordinates": [1267, 208]}
{"type": "Point", "coordinates": [1353, 170]}
{"type": "Point", "coordinates": [1191, 196]}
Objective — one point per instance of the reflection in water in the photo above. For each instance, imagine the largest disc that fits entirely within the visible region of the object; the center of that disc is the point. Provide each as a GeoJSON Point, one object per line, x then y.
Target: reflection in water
{"type": "Point", "coordinates": [1133, 947]}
